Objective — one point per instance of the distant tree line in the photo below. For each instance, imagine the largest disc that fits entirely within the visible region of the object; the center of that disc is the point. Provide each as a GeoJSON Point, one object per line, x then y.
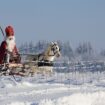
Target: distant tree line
{"type": "Point", "coordinates": [84, 51]}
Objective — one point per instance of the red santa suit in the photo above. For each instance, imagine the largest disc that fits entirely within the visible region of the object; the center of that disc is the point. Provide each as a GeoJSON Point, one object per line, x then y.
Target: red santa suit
{"type": "Point", "coordinates": [8, 45]}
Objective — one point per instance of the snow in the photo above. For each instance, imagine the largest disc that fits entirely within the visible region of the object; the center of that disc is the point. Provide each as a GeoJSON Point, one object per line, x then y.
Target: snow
{"type": "Point", "coordinates": [73, 88]}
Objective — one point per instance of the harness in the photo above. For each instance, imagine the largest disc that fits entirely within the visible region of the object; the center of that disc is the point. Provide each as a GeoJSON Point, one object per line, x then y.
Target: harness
{"type": "Point", "coordinates": [45, 63]}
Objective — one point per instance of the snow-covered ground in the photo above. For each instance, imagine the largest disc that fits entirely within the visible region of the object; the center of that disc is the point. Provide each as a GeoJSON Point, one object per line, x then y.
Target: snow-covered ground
{"type": "Point", "coordinates": [57, 89]}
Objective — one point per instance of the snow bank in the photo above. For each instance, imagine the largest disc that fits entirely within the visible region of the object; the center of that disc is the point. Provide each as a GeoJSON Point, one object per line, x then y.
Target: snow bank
{"type": "Point", "coordinates": [78, 99]}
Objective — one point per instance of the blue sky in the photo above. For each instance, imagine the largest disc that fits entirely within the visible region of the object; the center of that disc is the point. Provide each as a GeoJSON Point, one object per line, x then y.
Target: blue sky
{"type": "Point", "coordinates": [66, 20]}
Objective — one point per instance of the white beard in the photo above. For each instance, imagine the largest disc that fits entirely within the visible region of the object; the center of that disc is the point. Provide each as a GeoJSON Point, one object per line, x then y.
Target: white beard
{"type": "Point", "coordinates": [10, 43]}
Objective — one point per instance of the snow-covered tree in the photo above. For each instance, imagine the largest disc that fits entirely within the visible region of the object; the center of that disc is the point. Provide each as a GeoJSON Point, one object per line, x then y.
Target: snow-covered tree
{"type": "Point", "coordinates": [85, 51]}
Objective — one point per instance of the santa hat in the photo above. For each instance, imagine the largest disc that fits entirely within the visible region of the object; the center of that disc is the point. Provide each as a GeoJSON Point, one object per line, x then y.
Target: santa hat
{"type": "Point", "coordinates": [9, 31]}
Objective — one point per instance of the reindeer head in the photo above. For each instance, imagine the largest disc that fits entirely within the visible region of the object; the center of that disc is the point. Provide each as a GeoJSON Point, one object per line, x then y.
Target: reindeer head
{"type": "Point", "coordinates": [55, 49]}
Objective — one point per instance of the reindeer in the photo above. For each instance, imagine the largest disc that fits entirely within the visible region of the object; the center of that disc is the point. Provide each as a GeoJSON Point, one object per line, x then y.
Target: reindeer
{"type": "Point", "coordinates": [44, 60]}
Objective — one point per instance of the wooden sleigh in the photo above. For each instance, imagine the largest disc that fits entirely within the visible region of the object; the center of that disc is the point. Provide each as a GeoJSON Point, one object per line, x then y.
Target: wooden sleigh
{"type": "Point", "coordinates": [24, 69]}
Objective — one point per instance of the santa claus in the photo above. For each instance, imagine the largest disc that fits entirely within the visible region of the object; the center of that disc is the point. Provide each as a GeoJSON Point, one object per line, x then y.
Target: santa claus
{"type": "Point", "coordinates": [8, 49]}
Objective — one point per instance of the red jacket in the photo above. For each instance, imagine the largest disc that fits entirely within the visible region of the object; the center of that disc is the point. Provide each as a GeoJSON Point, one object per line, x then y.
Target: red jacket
{"type": "Point", "coordinates": [3, 51]}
